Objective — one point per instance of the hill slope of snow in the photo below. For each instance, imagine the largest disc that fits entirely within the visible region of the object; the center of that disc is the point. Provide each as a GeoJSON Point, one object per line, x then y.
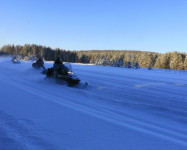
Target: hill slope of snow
{"type": "Point", "coordinates": [119, 109]}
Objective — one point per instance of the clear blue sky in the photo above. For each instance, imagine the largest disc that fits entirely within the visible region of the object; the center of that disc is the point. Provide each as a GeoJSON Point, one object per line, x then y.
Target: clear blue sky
{"type": "Point", "coordinates": [148, 25]}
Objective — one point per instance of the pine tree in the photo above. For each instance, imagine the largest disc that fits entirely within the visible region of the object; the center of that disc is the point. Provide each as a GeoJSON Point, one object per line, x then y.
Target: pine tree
{"type": "Point", "coordinates": [176, 61]}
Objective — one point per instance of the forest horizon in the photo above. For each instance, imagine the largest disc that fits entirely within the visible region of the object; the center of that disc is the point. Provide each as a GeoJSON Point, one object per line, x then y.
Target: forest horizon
{"type": "Point", "coordinates": [118, 58]}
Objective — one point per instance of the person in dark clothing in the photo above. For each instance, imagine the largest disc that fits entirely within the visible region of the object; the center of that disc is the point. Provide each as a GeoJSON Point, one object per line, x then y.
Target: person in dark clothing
{"type": "Point", "coordinates": [40, 62]}
{"type": "Point", "coordinates": [59, 68]}
{"type": "Point", "coordinates": [15, 60]}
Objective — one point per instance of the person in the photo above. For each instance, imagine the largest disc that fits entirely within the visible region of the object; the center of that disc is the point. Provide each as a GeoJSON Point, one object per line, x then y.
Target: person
{"type": "Point", "coordinates": [15, 60]}
{"type": "Point", "coordinates": [59, 68]}
{"type": "Point", "coordinates": [40, 62]}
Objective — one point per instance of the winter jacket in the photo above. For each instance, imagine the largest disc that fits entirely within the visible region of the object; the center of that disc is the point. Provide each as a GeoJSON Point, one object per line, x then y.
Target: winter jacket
{"type": "Point", "coordinates": [60, 68]}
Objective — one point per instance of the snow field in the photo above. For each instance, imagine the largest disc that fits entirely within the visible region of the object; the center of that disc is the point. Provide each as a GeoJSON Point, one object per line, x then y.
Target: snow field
{"type": "Point", "coordinates": [119, 109]}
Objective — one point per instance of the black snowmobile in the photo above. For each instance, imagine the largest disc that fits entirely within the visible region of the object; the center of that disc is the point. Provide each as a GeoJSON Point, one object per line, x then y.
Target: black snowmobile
{"type": "Point", "coordinates": [15, 60]}
{"type": "Point", "coordinates": [68, 76]}
{"type": "Point", "coordinates": [39, 64]}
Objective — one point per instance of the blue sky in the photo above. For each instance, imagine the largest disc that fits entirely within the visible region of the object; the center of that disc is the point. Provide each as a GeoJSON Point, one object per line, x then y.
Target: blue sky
{"type": "Point", "coordinates": [147, 25]}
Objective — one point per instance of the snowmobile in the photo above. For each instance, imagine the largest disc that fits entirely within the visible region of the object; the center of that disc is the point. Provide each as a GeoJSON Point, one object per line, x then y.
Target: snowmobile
{"type": "Point", "coordinates": [69, 77]}
{"type": "Point", "coordinates": [40, 66]}
{"type": "Point", "coordinates": [15, 60]}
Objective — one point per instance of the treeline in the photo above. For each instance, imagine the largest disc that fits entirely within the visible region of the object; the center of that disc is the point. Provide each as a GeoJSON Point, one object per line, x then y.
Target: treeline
{"type": "Point", "coordinates": [35, 51]}
{"type": "Point", "coordinates": [125, 58]}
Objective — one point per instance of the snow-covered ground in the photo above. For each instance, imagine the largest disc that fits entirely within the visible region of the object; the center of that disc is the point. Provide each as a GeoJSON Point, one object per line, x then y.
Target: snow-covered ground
{"type": "Point", "coordinates": [120, 109]}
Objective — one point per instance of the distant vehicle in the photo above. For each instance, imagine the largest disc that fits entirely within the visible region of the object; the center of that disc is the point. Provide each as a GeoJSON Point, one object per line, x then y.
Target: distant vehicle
{"type": "Point", "coordinates": [15, 60]}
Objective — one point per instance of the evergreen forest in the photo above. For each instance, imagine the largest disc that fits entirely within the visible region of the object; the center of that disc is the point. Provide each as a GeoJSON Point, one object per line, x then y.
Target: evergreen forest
{"type": "Point", "coordinates": [116, 58]}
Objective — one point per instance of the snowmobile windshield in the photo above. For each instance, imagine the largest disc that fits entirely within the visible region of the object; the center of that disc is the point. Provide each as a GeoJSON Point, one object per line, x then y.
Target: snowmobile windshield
{"type": "Point", "coordinates": [68, 66]}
